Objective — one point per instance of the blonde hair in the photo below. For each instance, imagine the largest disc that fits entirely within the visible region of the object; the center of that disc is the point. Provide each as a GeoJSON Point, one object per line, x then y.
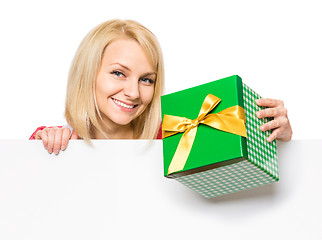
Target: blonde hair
{"type": "Point", "coordinates": [81, 110]}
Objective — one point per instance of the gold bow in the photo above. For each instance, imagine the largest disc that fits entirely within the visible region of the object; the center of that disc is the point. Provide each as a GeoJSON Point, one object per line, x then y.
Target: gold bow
{"type": "Point", "coordinates": [230, 120]}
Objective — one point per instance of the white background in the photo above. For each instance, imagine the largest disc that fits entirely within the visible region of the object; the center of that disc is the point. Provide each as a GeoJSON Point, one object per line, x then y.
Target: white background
{"type": "Point", "coordinates": [275, 46]}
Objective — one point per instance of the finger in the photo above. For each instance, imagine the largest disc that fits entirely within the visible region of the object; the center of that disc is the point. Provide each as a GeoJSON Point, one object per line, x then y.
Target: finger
{"type": "Point", "coordinates": [58, 140]}
{"type": "Point", "coordinates": [44, 138]}
{"type": "Point", "coordinates": [270, 125]}
{"type": "Point", "coordinates": [65, 138]}
{"type": "Point", "coordinates": [38, 135]}
{"type": "Point", "coordinates": [51, 140]}
{"type": "Point", "coordinates": [268, 102]}
{"type": "Point", "coordinates": [272, 112]}
{"type": "Point", "coordinates": [274, 135]}
{"type": "Point", "coordinates": [268, 112]}
{"type": "Point", "coordinates": [74, 135]}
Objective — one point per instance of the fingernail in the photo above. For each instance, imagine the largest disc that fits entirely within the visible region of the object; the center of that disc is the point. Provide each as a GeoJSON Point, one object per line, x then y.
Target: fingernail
{"type": "Point", "coordinates": [262, 128]}
{"type": "Point", "coordinates": [257, 101]}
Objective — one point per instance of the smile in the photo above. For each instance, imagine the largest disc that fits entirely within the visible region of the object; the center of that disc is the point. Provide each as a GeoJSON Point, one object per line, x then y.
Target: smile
{"type": "Point", "coordinates": [122, 104]}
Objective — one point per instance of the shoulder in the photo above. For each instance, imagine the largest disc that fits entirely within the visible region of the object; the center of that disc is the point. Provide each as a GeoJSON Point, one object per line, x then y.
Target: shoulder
{"type": "Point", "coordinates": [160, 133]}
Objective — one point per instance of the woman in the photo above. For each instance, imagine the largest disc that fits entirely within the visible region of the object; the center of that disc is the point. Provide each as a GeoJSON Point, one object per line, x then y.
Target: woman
{"type": "Point", "coordinates": [114, 88]}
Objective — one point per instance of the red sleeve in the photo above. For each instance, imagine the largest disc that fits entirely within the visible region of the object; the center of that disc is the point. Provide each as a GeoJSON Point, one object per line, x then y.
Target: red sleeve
{"type": "Point", "coordinates": [32, 137]}
{"type": "Point", "coordinates": [160, 133]}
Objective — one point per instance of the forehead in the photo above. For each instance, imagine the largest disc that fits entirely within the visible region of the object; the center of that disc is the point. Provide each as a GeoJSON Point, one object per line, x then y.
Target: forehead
{"type": "Point", "coordinates": [128, 52]}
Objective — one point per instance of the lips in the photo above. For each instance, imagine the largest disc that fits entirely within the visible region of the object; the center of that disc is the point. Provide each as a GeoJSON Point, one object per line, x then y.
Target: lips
{"type": "Point", "coordinates": [123, 104]}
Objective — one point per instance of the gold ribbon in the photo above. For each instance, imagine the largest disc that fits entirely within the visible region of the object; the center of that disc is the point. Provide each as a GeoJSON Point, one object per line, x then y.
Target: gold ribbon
{"type": "Point", "coordinates": [230, 120]}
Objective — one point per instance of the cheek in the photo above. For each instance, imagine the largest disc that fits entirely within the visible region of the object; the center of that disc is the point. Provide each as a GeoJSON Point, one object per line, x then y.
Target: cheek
{"type": "Point", "coordinates": [99, 86]}
{"type": "Point", "coordinates": [106, 87]}
{"type": "Point", "coordinates": [147, 95]}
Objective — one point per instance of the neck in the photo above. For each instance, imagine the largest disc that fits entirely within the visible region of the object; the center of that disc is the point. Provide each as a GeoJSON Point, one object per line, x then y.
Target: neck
{"type": "Point", "coordinates": [114, 132]}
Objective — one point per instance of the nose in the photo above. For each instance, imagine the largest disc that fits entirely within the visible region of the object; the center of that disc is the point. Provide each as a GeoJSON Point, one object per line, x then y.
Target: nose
{"type": "Point", "coordinates": [131, 89]}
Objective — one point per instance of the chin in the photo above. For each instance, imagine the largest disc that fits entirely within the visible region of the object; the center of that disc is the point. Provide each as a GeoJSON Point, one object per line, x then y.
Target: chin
{"type": "Point", "coordinates": [122, 122]}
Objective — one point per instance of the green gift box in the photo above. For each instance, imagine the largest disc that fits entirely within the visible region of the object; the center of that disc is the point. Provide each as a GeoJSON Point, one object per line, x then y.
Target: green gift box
{"type": "Point", "coordinates": [219, 161]}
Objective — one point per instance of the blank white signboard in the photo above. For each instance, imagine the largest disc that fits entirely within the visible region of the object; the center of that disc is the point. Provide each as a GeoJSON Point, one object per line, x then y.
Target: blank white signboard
{"type": "Point", "coordinates": [116, 190]}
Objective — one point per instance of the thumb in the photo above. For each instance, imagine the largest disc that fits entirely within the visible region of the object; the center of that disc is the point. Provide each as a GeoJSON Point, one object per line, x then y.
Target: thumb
{"type": "Point", "coordinates": [74, 135]}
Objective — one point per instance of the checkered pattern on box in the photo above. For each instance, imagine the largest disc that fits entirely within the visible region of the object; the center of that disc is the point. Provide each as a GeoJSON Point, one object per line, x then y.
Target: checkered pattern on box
{"type": "Point", "coordinates": [260, 168]}
{"type": "Point", "coordinates": [226, 179]}
{"type": "Point", "coordinates": [260, 152]}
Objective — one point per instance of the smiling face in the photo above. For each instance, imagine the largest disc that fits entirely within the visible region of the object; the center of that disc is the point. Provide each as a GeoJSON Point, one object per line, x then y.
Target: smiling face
{"type": "Point", "coordinates": [125, 83]}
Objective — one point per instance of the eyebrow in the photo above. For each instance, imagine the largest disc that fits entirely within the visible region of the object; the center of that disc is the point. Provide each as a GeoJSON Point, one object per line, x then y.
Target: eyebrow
{"type": "Point", "coordinates": [127, 68]}
{"type": "Point", "coordinates": [150, 73]}
{"type": "Point", "coordinates": [123, 66]}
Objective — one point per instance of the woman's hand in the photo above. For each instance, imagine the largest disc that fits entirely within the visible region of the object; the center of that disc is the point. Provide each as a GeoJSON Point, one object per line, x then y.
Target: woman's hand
{"type": "Point", "coordinates": [280, 126]}
{"type": "Point", "coordinates": [55, 139]}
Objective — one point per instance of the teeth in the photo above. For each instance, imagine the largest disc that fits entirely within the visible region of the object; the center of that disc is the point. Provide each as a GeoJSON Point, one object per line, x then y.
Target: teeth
{"type": "Point", "coordinates": [123, 104]}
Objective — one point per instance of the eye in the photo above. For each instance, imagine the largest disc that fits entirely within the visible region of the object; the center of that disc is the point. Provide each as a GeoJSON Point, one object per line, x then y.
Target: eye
{"type": "Point", "coordinates": [117, 73]}
{"type": "Point", "coordinates": [147, 81]}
